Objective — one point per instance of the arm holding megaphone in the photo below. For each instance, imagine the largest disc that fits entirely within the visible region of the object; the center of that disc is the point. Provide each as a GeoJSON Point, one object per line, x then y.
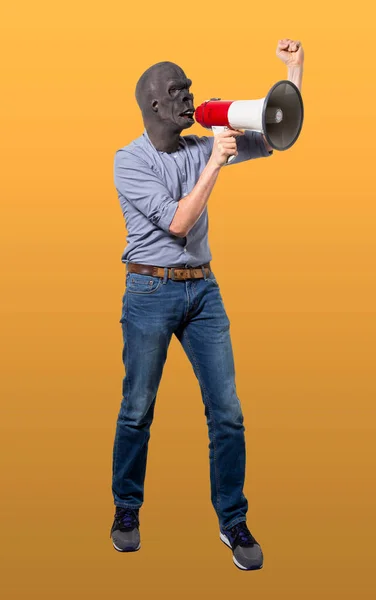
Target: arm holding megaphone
{"type": "Point", "coordinates": [192, 205]}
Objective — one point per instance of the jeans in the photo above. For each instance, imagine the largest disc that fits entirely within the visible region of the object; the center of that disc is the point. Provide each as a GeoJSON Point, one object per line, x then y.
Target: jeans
{"type": "Point", "coordinates": [153, 309]}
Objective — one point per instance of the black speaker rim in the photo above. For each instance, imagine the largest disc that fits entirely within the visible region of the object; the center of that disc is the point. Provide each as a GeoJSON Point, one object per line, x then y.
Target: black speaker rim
{"type": "Point", "coordinates": [264, 110]}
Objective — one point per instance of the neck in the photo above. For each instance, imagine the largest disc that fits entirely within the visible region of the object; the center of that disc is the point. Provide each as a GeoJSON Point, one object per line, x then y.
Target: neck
{"type": "Point", "coordinates": [162, 138]}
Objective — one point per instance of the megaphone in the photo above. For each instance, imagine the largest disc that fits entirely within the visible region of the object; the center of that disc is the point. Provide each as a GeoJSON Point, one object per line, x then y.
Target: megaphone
{"type": "Point", "coordinates": [279, 116]}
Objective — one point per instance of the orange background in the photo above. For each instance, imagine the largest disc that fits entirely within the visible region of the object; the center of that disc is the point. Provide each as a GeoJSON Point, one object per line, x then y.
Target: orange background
{"type": "Point", "coordinates": [293, 244]}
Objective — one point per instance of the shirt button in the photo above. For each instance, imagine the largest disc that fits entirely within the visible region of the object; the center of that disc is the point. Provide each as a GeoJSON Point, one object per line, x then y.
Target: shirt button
{"type": "Point", "coordinates": [185, 249]}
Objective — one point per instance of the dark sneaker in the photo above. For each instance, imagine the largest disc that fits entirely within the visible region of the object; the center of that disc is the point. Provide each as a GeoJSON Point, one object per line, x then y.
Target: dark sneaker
{"type": "Point", "coordinates": [125, 532]}
{"type": "Point", "coordinates": [246, 551]}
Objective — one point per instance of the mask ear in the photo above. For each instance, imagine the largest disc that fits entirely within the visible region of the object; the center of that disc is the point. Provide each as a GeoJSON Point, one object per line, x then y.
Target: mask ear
{"type": "Point", "coordinates": [154, 105]}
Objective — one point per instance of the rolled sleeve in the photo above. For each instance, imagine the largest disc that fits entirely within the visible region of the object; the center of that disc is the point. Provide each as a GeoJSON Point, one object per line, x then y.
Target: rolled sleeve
{"type": "Point", "coordinates": [138, 184]}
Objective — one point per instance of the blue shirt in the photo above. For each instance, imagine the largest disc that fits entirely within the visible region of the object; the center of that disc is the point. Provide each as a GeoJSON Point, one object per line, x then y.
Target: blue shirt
{"type": "Point", "coordinates": [150, 184]}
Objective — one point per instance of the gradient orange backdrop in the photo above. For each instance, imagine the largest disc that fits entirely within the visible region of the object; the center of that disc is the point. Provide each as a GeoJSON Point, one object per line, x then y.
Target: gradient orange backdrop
{"type": "Point", "coordinates": [293, 244]}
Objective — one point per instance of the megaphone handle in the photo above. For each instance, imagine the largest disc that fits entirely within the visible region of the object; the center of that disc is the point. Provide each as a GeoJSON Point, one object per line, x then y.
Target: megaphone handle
{"type": "Point", "coordinates": [218, 129]}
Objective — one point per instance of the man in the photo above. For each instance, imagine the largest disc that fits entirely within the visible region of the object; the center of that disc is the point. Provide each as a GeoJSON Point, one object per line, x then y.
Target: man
{"type": "Point", "coordinates": [164, 181]}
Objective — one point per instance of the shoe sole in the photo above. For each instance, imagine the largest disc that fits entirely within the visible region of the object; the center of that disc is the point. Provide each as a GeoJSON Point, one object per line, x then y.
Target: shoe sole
{"type": "Point", "coordinates": [226, 541]}
{"type": "Point", "coordinates": [126, 549]}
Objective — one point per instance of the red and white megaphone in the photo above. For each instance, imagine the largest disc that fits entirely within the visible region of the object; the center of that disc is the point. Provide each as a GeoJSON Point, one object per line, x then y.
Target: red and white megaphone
{"type": "Point", "coordinates": [279, 116]}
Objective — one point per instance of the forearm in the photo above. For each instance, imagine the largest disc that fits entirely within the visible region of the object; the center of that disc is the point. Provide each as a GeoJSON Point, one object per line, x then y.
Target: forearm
{"type": "Point", "coordinates": [192, 206]}
{"type": "Point", "coordinates": [295, 74]}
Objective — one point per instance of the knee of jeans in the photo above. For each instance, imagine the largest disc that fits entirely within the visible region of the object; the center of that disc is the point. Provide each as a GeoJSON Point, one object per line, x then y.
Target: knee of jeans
{"type": "Point", "coordinates": [231, 415]}
{"type": "Point", "coordinates": [136, 416]}
{"type": "Point", "coordinates": [237, 414]}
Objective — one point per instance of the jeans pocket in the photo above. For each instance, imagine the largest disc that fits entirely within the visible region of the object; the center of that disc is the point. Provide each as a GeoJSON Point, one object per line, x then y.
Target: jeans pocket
{"type": "Point", "coordinates": [142, 284]}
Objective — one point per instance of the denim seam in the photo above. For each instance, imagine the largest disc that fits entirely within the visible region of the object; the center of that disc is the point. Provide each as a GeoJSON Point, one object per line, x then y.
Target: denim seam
{"type": "Point", "coordinates": [234, 522]}
{"type": "Point", "coordinates": [117, 428]}
{"type": "Point", "coordinates": [126, 375]}
{"type": "Point", "coordinates": [187, 307]}
{"type": "Point", "coordinates": [115, 451]}
{"type": "Point", "coordinates": [212, 416]}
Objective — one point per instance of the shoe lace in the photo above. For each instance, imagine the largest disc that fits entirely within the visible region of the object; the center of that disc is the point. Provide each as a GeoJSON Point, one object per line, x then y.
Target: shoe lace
{"type": "Point", "coordinates": [242, 535]}
{"type": "Point", "coordinates": [127, 518]}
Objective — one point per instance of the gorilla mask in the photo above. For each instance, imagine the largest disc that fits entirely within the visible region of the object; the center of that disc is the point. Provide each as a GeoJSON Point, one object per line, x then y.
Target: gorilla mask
{"type": "Point", "coordinates": [166, 103]}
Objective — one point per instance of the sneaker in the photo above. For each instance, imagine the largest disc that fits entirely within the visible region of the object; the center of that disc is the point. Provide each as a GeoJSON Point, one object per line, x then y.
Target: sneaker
{"type": "Point", "coordinates": [246, 551]}
{"type": "Point", "coordinates": [125, 532]}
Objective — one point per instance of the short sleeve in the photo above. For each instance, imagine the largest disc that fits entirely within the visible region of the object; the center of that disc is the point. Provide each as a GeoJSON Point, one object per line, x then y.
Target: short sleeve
{"type": "Point", "coordinates": [138, 184]}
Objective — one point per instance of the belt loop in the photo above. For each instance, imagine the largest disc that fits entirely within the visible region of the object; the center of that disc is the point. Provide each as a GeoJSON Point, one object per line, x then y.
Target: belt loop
{"type": "Point", "coordinates": [126, 267]}
{"type": "Point", "coordinates": [203, 272]}
{"type": "Point", "coordinates": [165, 276]}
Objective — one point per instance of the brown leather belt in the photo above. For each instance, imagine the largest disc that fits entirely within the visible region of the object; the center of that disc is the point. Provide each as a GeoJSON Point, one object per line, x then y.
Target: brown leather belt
{"type": "Point", "coordinates": [176, 273]}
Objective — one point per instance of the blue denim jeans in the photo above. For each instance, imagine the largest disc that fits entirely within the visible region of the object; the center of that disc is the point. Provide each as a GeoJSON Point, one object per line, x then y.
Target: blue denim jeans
{"type": "Point", "coordinates": [152, 310]}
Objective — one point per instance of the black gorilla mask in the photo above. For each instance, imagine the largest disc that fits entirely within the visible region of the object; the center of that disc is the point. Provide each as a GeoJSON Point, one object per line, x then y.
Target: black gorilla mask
{"type": "Point", "coordinates": [166, 103]}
